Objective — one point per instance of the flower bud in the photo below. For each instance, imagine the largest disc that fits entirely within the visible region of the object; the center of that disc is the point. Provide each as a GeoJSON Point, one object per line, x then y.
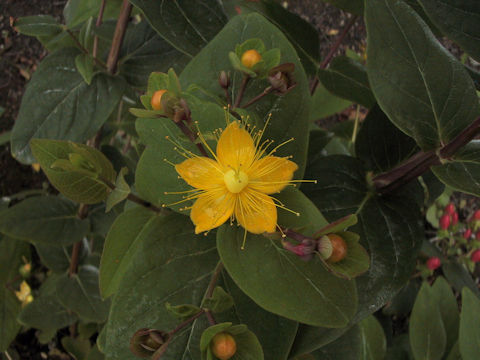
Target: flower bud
{"type": "Point", "coordinates": [250, 58]}
{"type": "Point", "coordinates": [145, 342]}
{"type": "Point", "coordinates": [304, 250]}
{"type": "Point", "coordinates": [476, 215]}
{"type": "Point", "coordinates": [475, 257]}
{"type": "Point", "coordinates": [156, 100]}
{"type": "Point", "coordinates": [339, 248]}
{"type": "Point", "coordinates": [454, 218]}
{"type": "Point", "coordinates": [223, 346]}
{"type": "Point", "coordinates": [433, 263]}
{"type": "Point", "coordinates": [467, 234]}
{"type": "Point", "coordinates": [449, 209]}
{"type": "Point", "coordinates": [281, 78]}
{"type": "Point", "coordinates": [224, 80]}
{"type": "Point", "coordinates": [444, 222]}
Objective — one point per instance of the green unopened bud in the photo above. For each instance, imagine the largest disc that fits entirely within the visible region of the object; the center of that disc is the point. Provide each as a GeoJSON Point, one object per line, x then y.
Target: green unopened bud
{"type": "Point", "coordinates": [145, 342]}
{"type": "Point", "coordinates": [324, 247]}
{"type": "Point", "coordinates": [79, 161]}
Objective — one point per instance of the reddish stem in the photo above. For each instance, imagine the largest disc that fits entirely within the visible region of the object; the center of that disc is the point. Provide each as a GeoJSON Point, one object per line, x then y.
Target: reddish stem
{"type": "Point", "coordinates": [333, 50]}
{"type": "Point", "coordinates": [120, 30]}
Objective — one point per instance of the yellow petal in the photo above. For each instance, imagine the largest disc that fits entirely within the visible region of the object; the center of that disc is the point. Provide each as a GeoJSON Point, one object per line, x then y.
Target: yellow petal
{"type": "Point", "coordinates": [200, 172]}
{"type": "Point", "coordinates": [271, 174]}
{"type": "Point", "coordinates": [212, 209]}
{"type": "Point", "coordinates": [235, 148]}
{"type": "Point", "coordinates": [256, 211]}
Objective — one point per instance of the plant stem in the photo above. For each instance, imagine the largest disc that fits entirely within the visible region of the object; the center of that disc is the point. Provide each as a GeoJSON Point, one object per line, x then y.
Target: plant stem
{"type": "Point", "coordinates": [355, 126]}
{"type": "Point", "coordinates": [243, 86]}
{"type": "Point", "coordinates": [214, 279]}
{"type": "Point", "coordinates": [84, 50]}
{"type": "Point", "coordinates": [292, 234]}
{"type": "Point", "coordinates": [422, 161]}
{"type": "Point", "coordinates": [333, 50]}
{"type": "Point", "coordinates": [191, 135]}
{"type": "Point", "coordinates": [97, 24]}
{"type": "Point", "coordinates": [134, 198]}
{"type": "Point", "coordinates": [265, 92]}
{"type": "Point", "coordinates": [120, 30]}
{"type": "Point", "coordinates": [82, 214]}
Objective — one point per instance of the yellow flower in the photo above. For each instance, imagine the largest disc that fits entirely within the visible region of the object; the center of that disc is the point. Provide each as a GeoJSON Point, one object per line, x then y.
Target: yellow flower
{"type": "Point", "coordinates": [25, 293]}
{"type": "Point", "coordinates": [237, 183]}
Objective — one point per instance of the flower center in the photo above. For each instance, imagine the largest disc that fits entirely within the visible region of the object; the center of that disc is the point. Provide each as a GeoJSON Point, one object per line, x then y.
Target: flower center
{"type": "Point", "coordinates": [235, 181]}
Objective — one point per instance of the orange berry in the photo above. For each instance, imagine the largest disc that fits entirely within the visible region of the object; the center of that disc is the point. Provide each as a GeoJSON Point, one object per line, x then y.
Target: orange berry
{"type": "Point", "coordinates": [339, 248]}
{"type": "Point", "coordinates": [156, 101]}
{"type": "Point", "coordinates": [250, 58]}
{"type": "Point", "coordinates": [223, 346]}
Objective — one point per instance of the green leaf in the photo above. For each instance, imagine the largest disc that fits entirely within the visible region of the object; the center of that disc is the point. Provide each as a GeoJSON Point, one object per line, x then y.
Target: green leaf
{"type": "Point", "coordinates": [374, 343]}
{"type": "Point", "coordinates": [351, 6]}
{"type": "Point", "coordinates": [11, 254]}
{"type": "Point", "coordinates": [310, 338]}
{"type": "Point", "coordinates": [80, 293]}
{"type": "Point", "coordinates": [469, 338]}
{"type": "Point", "coordinates": [144, 51]}
{"type": "Point", "coordinates": [154, 175]}
{"type": "Point", "coordinates": [290, 113]}
{"type": "Point", "coordinates": [357, 260]}
{"type": "Point", "coordinates": [172, 265]}
{"type": "Point", "coordinates": [78, 171]}
{"type": "Point", "coordinates": [39, 25]}
{"type": "Point", "coordinates": [60, 105]}
{"type": "Point", "coordinates": [187, 26]}
{"type": "Point", "coordinates": [76, 347]}
{"type": "Point", "coordinates": [9, 327]}
{"type": "Point", "coordinates": [458, 21]}
{"type": "Point", "coordinates": [418, 84]}
{"type": "Point", "coordinates": [364, 341]}
{"type": "Point", "coordinates": [77, 11]}
{"type": "Point", "coordinates": [325, 104]}
{"type": "Point", "coordinates": [426, 330]}
{"type": "Point", "coordinates": [300, 33]}
{"type": "Point", "coordinates": [462, 173]}
{"type": "Point", "coordinates": [347, 79]}
{"type": "Point", "coordinates": [389, 226]}
{"type": "Point", "coordinates": [248, 346]}
{"type": "Point", "coordinates": [184, 311]}
{"type": "Point", "coordinates": [84, 65]}
{"type": "Point", "coordinates": [120, 192]}
{"type": "Point", "coordinates": [124, 238]}
{"type": "Point", "coordinates": [45, 312]}
{"type": "Point", "coordinates": [459, 277]}
{"type": "Point", "coordinates": [380, 144]}
{"type": "Point", "coordinates": [57, 258]}
{"type": "Point", "coordinates": [443, 297]}
{"type": "Point", "coordinates": [261, 323]}
{"type": "Point", "coordinates": [254, 269]}
{"type": "Point", "coordinates": [455, 353]}
{"type": "Point", "coordinates": [219, 302]}
{"type": "Point", "coordinates": [402, 303]}
{"type": "Point", "coordinates": [44, 219]}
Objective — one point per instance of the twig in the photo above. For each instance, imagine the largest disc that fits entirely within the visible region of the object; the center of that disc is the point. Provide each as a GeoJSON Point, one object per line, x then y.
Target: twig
{"type": "Point", "coordinates": [120, 30]}
{"type": "Point", "coordinates": [333, 50]}
{"type": "Point", "coordinates": [422, 161]}
{"type": "Point", "coordinates": [191, 135]}
{"type": "Point", "coordinates": [97, 24]}
{"type": "Point", "coordinates": [134, 198]}
{"type": "Point", "coordinates": [265, 92]}
{"type": "Point", "coordinates": [84, 50]}
{"type": "Point", "coordinates": [82, 214]}
{"type": "Point", "coordinates": [210, 288]}
{"type": "Point", "coordinates": [243, 86]}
